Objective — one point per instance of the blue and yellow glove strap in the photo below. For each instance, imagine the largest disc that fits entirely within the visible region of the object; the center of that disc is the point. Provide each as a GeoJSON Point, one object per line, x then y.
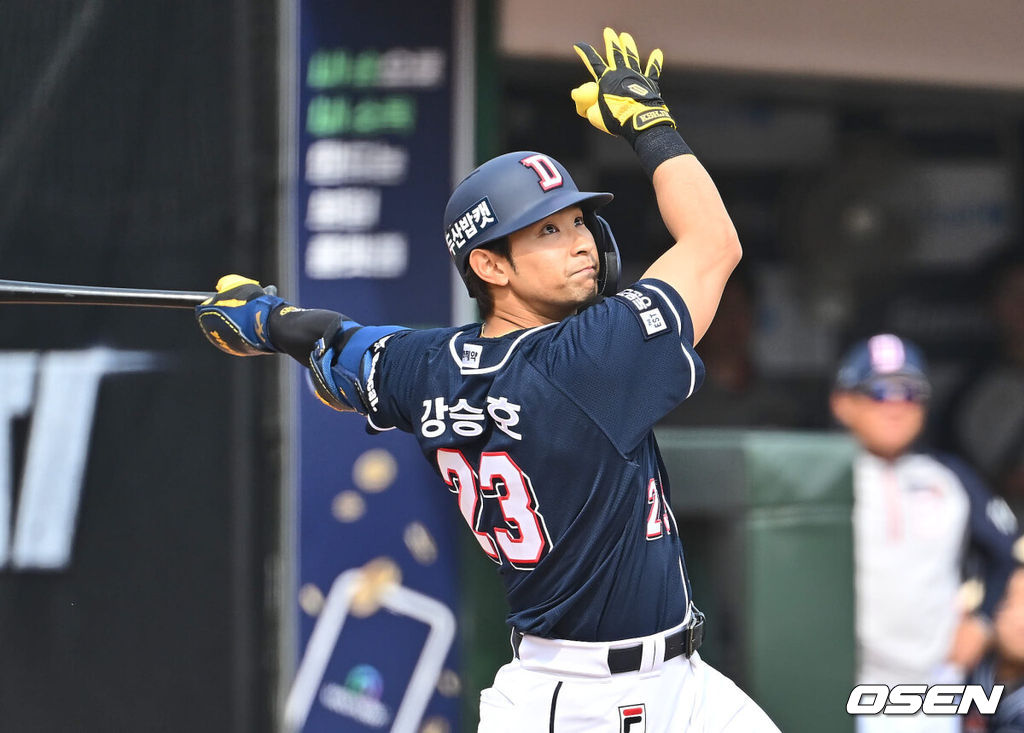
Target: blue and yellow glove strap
{"type": "Point", "coordinates": [235, 319]}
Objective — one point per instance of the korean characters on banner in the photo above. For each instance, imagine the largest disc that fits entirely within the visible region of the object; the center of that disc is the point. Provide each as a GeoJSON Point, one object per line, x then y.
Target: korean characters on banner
{"type": "Point", "coordinates": [376, 536]}
{"type": "Point", "coordinates": [375, 158]}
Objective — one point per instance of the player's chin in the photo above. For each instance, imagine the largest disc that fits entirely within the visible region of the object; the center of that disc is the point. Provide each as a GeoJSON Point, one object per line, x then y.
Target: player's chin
{"type": "Point", "coordinates": [587, 295]}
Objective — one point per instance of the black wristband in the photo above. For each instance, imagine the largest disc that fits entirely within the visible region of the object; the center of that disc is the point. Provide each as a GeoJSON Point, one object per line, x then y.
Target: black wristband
{"type": "Point", "coordinates": [294, 331]}
{"type": "Point", "coordinates": [656, 145]}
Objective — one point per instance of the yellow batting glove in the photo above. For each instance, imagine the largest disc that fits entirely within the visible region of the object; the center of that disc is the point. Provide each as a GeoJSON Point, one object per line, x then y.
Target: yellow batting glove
{"type": "Point", "coordinates": [622, 100]}
{"type": "Point", "coordinates": [233, 281]}
{"type": "Point", "coordinates": [585, 97]}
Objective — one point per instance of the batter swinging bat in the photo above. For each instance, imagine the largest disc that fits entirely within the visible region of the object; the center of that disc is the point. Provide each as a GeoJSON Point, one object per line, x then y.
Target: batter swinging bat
{"type": "Point", "coordinates": [17, 291]}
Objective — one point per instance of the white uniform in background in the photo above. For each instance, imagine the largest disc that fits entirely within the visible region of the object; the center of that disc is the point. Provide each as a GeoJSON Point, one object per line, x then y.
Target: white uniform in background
{"type": "Point", "coordinates": [913, 521]}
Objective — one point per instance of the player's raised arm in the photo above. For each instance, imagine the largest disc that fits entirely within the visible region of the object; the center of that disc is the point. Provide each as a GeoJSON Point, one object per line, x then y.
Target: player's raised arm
{"type": "Point", "coordinates": [625, 101]}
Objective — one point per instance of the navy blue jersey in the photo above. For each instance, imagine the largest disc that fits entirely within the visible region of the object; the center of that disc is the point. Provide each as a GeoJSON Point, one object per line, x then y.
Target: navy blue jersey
{"type": "Point", "coordinates": [544, 437]}
{"type": "Point", "coordinates": [991, 531]}
{"type": "Point", "coordinates": [1009, 715]}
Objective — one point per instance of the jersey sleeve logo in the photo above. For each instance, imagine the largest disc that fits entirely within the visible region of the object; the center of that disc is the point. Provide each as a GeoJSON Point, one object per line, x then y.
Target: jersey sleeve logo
{"type": "Point", "coordinates": [547, 174]}
{"type": "Point", "coordinates": [372, 392]}
{"type": "Point", "coordinates": [653, 322]}
{"type": "Point", "coordinates": [651, 319]}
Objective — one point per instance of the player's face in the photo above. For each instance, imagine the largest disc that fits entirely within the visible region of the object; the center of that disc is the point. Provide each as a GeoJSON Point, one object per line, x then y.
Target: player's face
{"type": "Point", "coordinates": [884, 427]}
{"type": "Point", "coordinates": [556, 264]}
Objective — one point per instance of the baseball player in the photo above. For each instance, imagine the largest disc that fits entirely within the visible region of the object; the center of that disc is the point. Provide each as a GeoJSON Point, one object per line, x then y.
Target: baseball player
{"type": "Point", "coordinates": [1005, 666]}
{"type": "Point", "coordinates": [539, 419]}
{"type": "Point", "coordinates": [915, 515]}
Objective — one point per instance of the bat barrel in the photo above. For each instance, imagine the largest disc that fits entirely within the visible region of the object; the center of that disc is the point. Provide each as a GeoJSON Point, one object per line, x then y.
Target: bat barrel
{"type": "Point", "coordinates": [16, 291]}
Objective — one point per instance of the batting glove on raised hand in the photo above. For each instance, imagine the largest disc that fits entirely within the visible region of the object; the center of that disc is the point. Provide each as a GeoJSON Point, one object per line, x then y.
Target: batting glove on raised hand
{"type": "Point", "coordinates": [622, 100]}
{"type": "Point", "coordinates": [235, 319]}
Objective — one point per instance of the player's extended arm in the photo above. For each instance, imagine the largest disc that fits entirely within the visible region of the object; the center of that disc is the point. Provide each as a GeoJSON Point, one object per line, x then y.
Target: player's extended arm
{"type": "Point", "coordinates": [625, 101]}
{"type": "Point", "coordinates": [243, 319]}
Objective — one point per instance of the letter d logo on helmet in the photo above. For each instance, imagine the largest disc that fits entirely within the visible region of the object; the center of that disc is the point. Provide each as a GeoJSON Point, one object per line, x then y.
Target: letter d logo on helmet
{"type": "Point", "coordinates": [515, 190]}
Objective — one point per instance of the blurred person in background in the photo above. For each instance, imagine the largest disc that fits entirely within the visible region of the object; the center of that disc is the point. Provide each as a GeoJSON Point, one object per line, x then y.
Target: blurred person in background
{"type": "Point", "coordinates": [1004, 666]}
{"type": "Point", "coordinates": [915, 516]}
{"type": "Point", "coordinates": [735, 394]}
{"type": "Point", "coordinates": [986, 423]}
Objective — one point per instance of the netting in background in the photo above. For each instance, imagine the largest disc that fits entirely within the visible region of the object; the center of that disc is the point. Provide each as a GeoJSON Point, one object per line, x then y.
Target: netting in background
{"type": "Point", "coordinates": [137, 149]}
{"type": "Point", "coordinates": [120, 139]}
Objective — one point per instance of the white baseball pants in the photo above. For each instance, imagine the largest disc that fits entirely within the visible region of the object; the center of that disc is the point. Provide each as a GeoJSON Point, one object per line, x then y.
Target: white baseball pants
{"type": "Point", "coordinates": [565, 687]}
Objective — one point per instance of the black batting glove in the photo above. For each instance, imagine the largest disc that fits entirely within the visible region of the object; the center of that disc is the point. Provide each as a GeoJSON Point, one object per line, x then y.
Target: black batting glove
{"type": "Point", "coordinates": [622, 100]}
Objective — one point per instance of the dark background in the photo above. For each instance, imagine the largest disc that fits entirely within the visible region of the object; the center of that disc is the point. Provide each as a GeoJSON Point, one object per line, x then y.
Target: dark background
{"type": "Point", "coordinates": [138, 149]}
{"type": "Point", "coordinates": [832, 187]}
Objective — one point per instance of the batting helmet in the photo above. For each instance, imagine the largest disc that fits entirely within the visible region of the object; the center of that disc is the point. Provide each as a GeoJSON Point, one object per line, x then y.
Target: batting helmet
{"type": "Point", "coordinates": [515, 190]}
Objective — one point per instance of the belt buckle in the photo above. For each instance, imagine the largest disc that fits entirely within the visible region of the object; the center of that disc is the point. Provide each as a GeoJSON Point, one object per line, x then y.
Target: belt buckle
{"type": "Point", "coordinates": [694, 634]}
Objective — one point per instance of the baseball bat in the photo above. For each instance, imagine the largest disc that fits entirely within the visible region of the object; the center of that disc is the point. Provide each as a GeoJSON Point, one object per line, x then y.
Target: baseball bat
{"type": "Point", "coordinates": [18, 291]}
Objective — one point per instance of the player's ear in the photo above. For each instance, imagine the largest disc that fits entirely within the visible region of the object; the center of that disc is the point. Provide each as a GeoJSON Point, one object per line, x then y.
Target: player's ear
{"type": "Point", "coordinates": [842, 404]}
{"type": "Point", "coordinates": [489, 266]}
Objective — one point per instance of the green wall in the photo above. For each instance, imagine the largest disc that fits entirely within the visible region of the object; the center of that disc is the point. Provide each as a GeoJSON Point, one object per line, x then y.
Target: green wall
{"type": "Point", "coordinates": [765, 520]}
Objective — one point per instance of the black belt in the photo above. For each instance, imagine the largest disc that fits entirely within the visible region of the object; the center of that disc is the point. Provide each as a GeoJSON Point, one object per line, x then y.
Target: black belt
{"type": "Point", "coordinates": [629, 659]}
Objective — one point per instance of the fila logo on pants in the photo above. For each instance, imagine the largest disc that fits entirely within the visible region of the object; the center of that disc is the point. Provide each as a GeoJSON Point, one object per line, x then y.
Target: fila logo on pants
{"type": "Point", "coordinates": [633, 719]}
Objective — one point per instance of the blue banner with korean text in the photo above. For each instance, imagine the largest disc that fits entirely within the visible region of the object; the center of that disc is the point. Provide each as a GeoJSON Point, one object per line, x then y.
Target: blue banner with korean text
{"type": "Point", "coordinates": [376, 531]}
